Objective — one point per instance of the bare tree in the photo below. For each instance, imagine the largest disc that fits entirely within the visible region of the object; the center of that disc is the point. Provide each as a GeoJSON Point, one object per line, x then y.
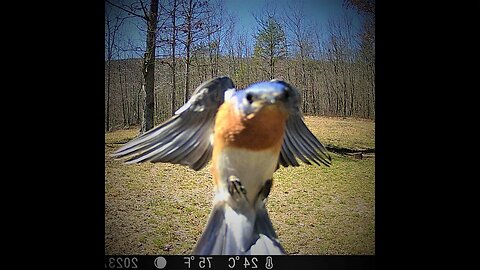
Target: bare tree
{"type": "Point", "coordinates": [168, 41]}
{"type": "Point", "coordinates": [367, 50]}
{"type": "Point", "coordinates": [112, 26]}
{"type": "Point", "coordinates": [192, 30]}
{"type": "Point", "coordinates": [151, 19]}
{"type": "Point", "coordinates": [174, 55]}
{"type": "Point", "coordinates": [149, 65]}
{"type": "Point", "coordinates": [296, 24]}
{"type": "Point", "coordinates": [219, 23]}
{"type": "Point", "coordinates": [341, 56]}
{"type": "Point", "coordinates": [229, 50]}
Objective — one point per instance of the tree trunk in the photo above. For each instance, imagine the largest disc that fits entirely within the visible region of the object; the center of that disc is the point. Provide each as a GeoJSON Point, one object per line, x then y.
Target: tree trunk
{"type": "Point", "coordinates": [174, 61]}
{"type": "Point", "coordinates": [131, 110]}
{"type": "Point", "coordinates": [124, 111]}
{"type": "Point", "coordinates": [122, 87]}
{"type": "Point", "coordinates": [352, 91]}
{"type": "Point", "coordinates": [107, 120]}
{"type": "Point", "coordinates": [345, 92]}
{"type": "Point", "coordinates": [142, 109]}
{"type": "Point", "coordinates": [139, 105]}
{"type": "Point", "coordinates": [303, 83]}
{"type": "Point", "coordinates": [272, 66]}
{"type": "Point", "coordinates": [149, 68]}
{"type": "Point", "coordinates": [188, 44]}
{"type": "Point", "coordinates": [187, 75]}
{"type": "Point", "coordinates": [217, 57]}
{"type": "Point", "coordinates": [127, 100]}
{"type": "Point", "coordinates": [109, 77]}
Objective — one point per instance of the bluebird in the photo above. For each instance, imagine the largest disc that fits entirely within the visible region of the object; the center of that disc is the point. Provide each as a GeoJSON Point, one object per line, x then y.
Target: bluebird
{"type": "Point", "coordinates": [247, 134]}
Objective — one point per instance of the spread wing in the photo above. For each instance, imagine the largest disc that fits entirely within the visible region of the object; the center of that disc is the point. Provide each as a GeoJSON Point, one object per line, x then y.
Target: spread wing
{"type": "Point", "coordinates": [299, 141]}
{"type": "Point", "coordinates": [184, 138]}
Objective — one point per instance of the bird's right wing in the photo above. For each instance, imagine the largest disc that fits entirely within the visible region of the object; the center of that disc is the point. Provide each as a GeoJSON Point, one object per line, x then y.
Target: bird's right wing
{"type": "Point", "coordinates": [184, 138]}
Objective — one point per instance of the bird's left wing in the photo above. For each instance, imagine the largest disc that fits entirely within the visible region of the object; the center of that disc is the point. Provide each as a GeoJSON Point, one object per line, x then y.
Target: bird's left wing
{"type": "Point", "coordinates": [184, 138]}
{"type": "Point", "coordinates": [299, 141]}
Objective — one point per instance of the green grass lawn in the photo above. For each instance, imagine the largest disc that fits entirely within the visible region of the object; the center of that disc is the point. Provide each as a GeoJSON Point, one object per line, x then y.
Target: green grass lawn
{"type": "Point", "coordinates": [162, 208]}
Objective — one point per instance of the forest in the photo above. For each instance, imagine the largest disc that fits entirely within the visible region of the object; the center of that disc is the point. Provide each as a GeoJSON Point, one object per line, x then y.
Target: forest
{"type": "Point", "coordinates": [189, 41]}
{"type": "Point", "coordinates": [158, 52]}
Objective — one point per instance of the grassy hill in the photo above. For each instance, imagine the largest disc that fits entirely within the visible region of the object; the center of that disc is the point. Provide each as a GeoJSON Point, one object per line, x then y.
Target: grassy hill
{"type": "Point", "coordinates": [162, 208]}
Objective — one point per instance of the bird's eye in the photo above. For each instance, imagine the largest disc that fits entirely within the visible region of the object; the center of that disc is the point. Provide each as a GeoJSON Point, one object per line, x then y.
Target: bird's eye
{"type": "Point", "coordinates": [286, 94]}
{"type": "Point", "coordinates": [249, 98]}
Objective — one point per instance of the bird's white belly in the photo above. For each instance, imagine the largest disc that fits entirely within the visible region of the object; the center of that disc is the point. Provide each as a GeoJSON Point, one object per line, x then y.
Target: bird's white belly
{"type": "Point", "coordinates": [253, 168]}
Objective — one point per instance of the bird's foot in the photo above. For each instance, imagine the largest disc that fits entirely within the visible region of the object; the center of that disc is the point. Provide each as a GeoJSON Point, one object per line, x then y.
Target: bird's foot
{"type": "Point", "coordinates": [265, 191]}
{"type": "Point", "coordinates": [235, 187]}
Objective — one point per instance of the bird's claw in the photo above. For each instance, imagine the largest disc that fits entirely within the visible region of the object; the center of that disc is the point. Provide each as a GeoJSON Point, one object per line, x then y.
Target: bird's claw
{"type": "Point", "coordinates": [236, 187]}
{"type": "Point", "coordinates": [265, 191]}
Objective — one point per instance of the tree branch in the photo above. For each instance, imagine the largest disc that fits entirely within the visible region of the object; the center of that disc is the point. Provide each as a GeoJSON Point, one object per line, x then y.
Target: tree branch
{"type": "Point", "coordinates": [126, 10]}
{"type": "Point", "coordinates": [144, 10]}
{"type": "Point", "coordinates": [166, 63]}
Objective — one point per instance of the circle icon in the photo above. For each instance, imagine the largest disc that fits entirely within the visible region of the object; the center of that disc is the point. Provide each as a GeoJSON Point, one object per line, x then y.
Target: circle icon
{"type": "Point", "coordinates": [160, 262]}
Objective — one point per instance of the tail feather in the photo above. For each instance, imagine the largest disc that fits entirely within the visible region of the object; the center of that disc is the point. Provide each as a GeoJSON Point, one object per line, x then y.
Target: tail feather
{"type": "Point", "coordinates": [224, 236]}
{"type": "Point", "coordinates": [267, 243]}
{"type": "Point", "coordinates": [212, 241]}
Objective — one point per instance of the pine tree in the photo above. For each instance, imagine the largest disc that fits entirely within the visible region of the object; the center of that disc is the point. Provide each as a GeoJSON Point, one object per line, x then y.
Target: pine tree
{"type": "Point", "coordinates": [270, 45]}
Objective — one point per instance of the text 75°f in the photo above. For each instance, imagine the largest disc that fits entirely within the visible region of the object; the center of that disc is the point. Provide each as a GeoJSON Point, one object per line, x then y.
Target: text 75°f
{"type": "Point", "coordinates": [202, 262]}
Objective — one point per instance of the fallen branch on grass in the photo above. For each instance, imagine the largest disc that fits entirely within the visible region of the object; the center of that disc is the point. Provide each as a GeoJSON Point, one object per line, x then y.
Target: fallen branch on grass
{"type": "Point", "coordinates": [356, 153]}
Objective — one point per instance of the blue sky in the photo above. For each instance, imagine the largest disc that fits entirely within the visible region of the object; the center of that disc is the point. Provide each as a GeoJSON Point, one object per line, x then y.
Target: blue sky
{"type": "Point", "coordinates": [319, 11]}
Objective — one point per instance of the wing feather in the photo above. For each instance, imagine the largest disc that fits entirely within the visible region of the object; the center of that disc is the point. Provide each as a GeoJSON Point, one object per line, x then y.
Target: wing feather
{"type": "Point", "coordinates": [298, 141]}
{"type": "Point", "coordinates": [316, 151]}
{"type": "Point", "coordinates": [184, 138]}
{"type": "Point", "coordinates": [296, 147]}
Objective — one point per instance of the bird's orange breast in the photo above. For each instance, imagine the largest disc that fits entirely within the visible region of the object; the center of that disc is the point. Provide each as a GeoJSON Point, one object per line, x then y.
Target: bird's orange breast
{"type": "Point", "coordinates": [260, 131]}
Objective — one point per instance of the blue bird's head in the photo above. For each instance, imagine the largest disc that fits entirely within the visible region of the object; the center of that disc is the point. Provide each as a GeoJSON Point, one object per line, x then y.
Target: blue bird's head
{"type": "Point", "coordinates": [272, 94]}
